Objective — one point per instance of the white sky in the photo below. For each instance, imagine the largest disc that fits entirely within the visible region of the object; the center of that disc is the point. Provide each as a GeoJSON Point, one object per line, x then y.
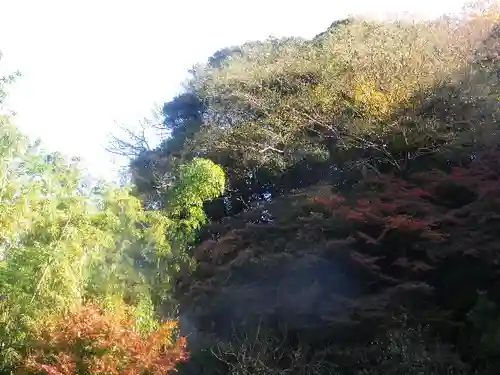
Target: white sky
{"type": "Point", "coordinates": [89, 64]}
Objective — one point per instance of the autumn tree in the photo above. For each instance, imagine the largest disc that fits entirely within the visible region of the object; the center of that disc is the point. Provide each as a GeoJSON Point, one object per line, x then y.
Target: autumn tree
{"type": "Point", "coordinates": [359, 167]}
{"type": "Point", "coordinates": [364, 97]}
{"type": "Point", "coordinates": [66, 242]}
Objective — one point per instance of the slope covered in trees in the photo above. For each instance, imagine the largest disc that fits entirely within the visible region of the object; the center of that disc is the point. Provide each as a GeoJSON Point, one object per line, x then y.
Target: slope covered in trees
{"type": "Point", "coordinates": [358, 233]}
{"type": "Point", "coordinates": [280, 114]}
{"type": "Point", "coordinates": [324, 206]}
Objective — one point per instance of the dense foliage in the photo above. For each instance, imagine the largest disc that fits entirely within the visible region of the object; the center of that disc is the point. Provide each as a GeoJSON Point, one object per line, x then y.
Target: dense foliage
{"type": "Point", "coordinates": [358, 233]}
{"type": "Point", "coordinates": [280, 114]}
{"type": "Point", "coordinates": [70, 246]}
{"type": "Point", "coordinates": [324, 206]}
{"type": "Point", "coordinates": [92, 341]}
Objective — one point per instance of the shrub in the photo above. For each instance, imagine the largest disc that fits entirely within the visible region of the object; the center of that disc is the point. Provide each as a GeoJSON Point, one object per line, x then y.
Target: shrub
{"type": "Point", "coordinates": [91, 340]}
{"type": "Point", "coordinates": [403, 349]}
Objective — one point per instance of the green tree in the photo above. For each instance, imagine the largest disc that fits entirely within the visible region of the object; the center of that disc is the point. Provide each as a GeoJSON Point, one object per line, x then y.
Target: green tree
{"type": "Point", "coordinates": [64, 242]}
{"type": "Point", "coordinates": [184, 195]}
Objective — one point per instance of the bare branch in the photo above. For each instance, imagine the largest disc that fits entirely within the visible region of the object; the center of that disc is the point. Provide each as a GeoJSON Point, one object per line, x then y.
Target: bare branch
{"type": "Point", "coordinates": [133, 143]}
{"type": "Point", "coordinates": [272, 149]}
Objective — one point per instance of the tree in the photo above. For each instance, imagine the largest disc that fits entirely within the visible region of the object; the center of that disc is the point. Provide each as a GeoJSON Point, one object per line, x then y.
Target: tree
{"type": "Point", "coordinates": [362, 98]}
{"type": "Point", "coordinates": [93, 341]}
{"type": "Point", "coordinates": [65, 242]}
{"type": "Point", "coordinates": [402, 225]}
{"type": "Point", "coordinates": [5, 81]}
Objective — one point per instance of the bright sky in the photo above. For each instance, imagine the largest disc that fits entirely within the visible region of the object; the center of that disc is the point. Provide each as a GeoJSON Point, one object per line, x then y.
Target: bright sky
{"type": "Point", "coordinates": [88, 65]}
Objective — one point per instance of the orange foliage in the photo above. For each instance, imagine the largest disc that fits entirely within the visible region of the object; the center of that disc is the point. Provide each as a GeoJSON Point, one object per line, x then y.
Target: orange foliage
{"type": "Point", "coordinates": [91, 341]}
{"type": "Point", "coordinates": [333, 201]}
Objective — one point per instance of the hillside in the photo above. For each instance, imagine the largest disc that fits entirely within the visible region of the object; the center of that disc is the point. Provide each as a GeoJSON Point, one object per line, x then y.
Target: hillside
{"type": "Point", "coordinates": [316, 207]}
{"type": "Point", "coordinates": [358, 233]}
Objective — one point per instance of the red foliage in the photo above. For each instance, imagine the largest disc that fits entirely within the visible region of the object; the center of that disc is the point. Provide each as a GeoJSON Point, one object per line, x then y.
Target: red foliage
{"type": "Point", "coordinates": [412, 210]}
{"type": "Point", "coordinates": [91, 341]}
{"type": "Point", "coordinates": [395, 208]}
{"type": "Point", "coordinates": [424, 243]}
{"type": "Point", "coordinates": [406, 224]}
{"type": "Point", "coordinates": [332, 202]}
